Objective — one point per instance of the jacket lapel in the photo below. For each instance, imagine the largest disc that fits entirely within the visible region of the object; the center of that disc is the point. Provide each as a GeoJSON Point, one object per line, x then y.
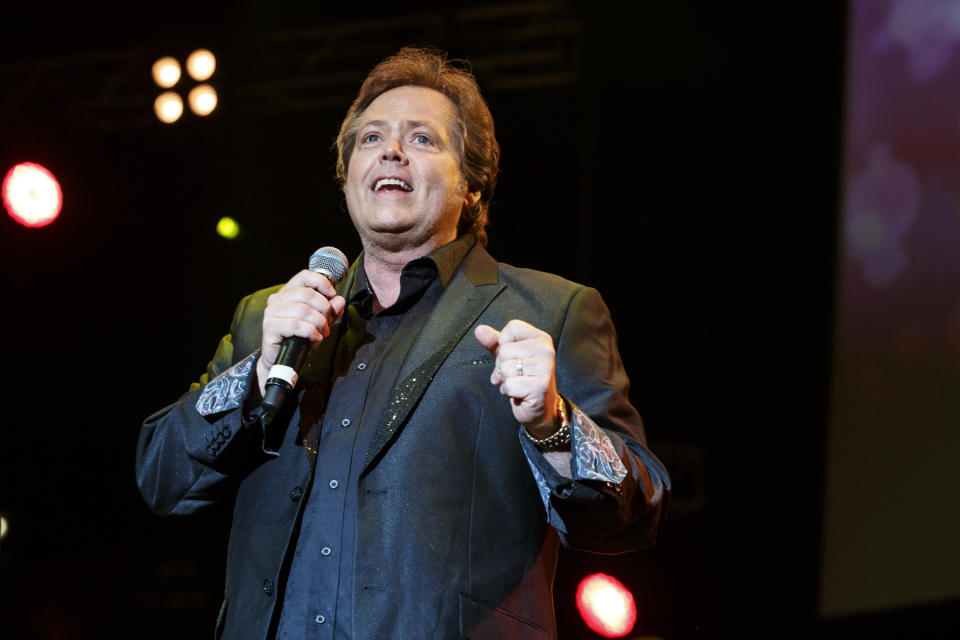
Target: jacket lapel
{"type": "Point", "coordinates": [472, 288]}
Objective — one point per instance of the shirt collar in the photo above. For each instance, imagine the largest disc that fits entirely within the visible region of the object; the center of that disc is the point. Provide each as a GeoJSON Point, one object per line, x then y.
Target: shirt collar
{"type": "Point", "coordinates": [442, 262]}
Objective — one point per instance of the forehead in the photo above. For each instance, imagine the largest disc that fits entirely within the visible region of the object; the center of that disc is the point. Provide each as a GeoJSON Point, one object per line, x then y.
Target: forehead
{"type": "Point", "coordinates": [411, 104]}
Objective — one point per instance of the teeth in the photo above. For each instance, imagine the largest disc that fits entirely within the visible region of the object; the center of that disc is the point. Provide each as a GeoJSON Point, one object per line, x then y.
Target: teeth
{"type": "Point", "coordinates": [383, 182]}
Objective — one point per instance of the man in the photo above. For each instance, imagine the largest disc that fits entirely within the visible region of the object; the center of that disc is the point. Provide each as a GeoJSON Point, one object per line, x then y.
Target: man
{"type": "Point", "coordinates": [457, 420]}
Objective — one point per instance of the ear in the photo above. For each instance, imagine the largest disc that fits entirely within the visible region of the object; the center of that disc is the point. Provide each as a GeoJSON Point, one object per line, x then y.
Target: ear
{"type": "Point", "coordinates": [471, 198]}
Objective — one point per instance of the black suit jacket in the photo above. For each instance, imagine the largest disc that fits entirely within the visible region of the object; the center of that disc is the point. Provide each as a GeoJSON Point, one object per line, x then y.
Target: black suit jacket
{"type": "Point", "coordinates": [453, 537]}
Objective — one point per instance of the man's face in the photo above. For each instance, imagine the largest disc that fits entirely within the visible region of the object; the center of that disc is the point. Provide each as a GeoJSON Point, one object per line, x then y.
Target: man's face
{"type": "Point", "coordinates": [404, 186]}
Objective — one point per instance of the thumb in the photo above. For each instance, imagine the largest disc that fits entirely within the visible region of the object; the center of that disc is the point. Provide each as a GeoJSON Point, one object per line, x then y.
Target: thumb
{"type": "Point", "coordinates": [488, 337]}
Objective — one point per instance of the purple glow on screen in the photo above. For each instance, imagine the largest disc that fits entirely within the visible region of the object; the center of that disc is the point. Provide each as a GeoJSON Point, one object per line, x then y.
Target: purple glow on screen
{"type": "Point", "coordinates": [890, 519]}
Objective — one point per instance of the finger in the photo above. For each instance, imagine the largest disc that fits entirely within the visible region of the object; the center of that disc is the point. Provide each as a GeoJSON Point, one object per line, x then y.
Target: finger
{"type": "Point", "coordinates": [527, 349]}
{"type": "Point", "coordinates": [518, 330]}
{"type": "Point", "coordinates": [525, 367]}
{"type": "Point", "coordinates": [300, 311]}
{"type": "Point", "coordinates": [338, 304]}
{"type": "Point", "coordinates": [300, 294]}
{"type": "Point", "coordinates": [316, 281]}
{"type": "Point", "coordinates": [488, 337]}
{"type": "Point", "coordinates": [284, 302]}
{"type": "Point", "coordinates": [278, 328]}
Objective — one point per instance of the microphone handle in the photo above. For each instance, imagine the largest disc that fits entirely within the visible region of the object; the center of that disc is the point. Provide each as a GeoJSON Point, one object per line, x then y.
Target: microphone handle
{"type": "Point", "coordinates": [293, 354]}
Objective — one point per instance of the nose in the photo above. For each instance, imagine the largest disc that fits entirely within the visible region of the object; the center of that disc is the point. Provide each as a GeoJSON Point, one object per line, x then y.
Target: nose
{"type": "Point", "coordinates": [393, 152]}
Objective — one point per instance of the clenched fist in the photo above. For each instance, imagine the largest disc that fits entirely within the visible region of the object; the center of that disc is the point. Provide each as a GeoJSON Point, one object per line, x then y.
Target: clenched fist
{"type": "Point", "coordinates": [306, 307]}
{"type": "Point", "coordinates": [525, 370]}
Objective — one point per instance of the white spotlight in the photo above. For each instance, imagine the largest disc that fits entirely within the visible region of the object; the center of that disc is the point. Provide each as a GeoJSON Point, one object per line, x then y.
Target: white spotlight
{"type": "Point", "coordinates": [202, 99]}
{"type": "Point", "coordinates": [168, 106]}
{"type": "Point", "coordinates": [201, 64]}
{"type": "Point", "coordinates": [166, 72]}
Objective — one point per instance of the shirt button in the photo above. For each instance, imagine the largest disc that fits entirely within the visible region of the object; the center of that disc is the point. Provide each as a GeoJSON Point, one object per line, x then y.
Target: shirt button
{"type": "Point", "coordinates": [325, 551]}
{"type": "Point", "coordinates": [320, 619]}
{"type": "Point", "coordinates": [334, 484]}
{"type": "Point", "coordinates": [345, 422]}
{"type": "Point", "coordinates": [296, 493]}
{"type": "Point", "coordinates": [362, 366]}
{"type": "Point", "coordinates": [268, 586]}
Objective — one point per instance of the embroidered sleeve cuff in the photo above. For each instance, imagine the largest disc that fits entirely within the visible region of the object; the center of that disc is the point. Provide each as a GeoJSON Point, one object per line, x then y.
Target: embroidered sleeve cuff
{"type": "Point", "coordinates": [228, 389]}
{"type": "Point", "coordinates": [596, 457]}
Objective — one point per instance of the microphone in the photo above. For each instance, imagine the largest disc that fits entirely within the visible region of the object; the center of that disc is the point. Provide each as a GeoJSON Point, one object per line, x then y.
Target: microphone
{"type": "Point", "coordinates": [329, 262]}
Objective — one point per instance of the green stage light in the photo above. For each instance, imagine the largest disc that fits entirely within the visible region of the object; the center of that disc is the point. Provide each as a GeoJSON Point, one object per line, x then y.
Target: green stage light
{"type": "Point", "coordinates": [228, 228]}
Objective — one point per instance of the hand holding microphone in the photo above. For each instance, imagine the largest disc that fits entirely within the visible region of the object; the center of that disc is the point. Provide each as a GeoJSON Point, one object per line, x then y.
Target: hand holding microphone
{"type": "Point", "coordinates": [298, 315]}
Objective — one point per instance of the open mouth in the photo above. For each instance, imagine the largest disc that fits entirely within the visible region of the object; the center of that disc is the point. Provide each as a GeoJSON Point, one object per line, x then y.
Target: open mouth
{"type": "Point", "coordinates": [391, 184]}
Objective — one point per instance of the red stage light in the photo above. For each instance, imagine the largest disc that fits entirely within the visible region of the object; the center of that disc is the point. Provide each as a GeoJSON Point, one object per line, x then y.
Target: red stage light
{"type": "Point", "coordinates": [32, 195]}
{"type": "Point", "coordinates": [606, 605]}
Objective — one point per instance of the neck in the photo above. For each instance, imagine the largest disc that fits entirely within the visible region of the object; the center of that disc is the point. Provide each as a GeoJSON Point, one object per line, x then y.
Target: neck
{"type": "Point", "coordinates": [383, 268]}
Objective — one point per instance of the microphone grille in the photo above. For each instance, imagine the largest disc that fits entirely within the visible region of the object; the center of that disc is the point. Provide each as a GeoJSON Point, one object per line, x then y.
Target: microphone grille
{"type": "Point", "coordinates": [329, 261]}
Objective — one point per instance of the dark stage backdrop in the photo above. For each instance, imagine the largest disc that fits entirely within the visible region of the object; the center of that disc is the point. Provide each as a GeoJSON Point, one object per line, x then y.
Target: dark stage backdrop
{"type": "Point", "coordinates": [682, 158]}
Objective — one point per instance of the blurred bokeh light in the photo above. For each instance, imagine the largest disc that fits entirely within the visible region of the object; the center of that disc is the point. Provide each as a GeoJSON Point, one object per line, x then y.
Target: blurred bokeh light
{"type": "Point", "coordinates": [202, 99]}
{"type": "Point", "coordinates": [166, 72]}
{"type": "Point", "coordinates": [168, 106]}
{"type": "Point", "coordinates": [606, 606]}
{"type": "Point", "coordinates": [228, 227]}
{"type": "Point", "coordinates": [201, 64]}
{"type": "Point", "coordinates": [32, 195]}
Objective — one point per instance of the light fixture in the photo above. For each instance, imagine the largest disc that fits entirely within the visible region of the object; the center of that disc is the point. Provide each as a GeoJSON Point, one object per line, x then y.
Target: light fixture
{"type": "Point", "coordinates": [606, 605]}
{"type": "Point", "coordinates": [201, 64]}
{"type": "Point", "coordinates": [32, 194]}
{"type": "Point", "coordinates": [202, 99]}
{"type": "Point", "coordinates": [228, 228]}
{"type": "Point", "coordinates": [166, 72]}
{"type": "Point", "coordinates": [168, 106]}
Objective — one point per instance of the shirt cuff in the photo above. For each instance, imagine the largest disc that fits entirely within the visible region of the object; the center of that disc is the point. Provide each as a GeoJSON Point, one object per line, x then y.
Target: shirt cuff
{"type": "Point", "coordinates": [228, 390]}
{"type": "Point", "coordinates": [594, 457]}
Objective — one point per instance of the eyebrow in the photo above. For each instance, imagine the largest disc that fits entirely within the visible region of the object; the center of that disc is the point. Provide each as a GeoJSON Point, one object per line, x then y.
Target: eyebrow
{"type": "Point", "coordinates": [407, 124]}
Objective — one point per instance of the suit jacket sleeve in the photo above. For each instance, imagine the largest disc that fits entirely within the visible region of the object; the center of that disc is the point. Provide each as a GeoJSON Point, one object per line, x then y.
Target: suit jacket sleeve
{"type": "Point", "coordinates": [191, 453]}
{"type": "Point", "coordinates": [617, 497]}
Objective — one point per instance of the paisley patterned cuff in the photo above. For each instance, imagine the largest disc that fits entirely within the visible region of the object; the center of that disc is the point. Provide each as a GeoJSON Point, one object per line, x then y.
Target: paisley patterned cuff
{"type": "Point", "coordinates": [226, 391]}
{"type": "Point", "coordinates": [596, 456]}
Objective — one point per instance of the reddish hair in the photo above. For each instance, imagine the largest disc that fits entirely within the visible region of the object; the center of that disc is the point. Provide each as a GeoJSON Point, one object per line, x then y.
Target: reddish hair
{"type": "Point", "coordinates": [473, 131]}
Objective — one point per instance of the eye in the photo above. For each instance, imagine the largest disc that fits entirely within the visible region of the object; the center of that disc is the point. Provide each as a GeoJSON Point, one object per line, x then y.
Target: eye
{"type": "Point", "coordinates": [422, 139]}
{"type": "Point", "coordinates": [370, 137]}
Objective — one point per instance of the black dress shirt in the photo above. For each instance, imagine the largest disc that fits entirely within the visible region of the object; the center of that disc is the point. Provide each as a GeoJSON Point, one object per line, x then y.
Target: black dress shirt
{"type": "Point", "coordinates": [370, 351]}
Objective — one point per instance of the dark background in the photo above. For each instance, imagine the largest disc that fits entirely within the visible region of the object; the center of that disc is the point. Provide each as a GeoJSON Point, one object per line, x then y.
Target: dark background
{"type": "Point", "coordinates": [682, 158]}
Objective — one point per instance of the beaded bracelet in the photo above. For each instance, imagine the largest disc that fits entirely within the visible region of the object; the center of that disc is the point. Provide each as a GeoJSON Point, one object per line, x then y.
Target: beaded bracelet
{"type": "Point", "coordinates": [561, 437]}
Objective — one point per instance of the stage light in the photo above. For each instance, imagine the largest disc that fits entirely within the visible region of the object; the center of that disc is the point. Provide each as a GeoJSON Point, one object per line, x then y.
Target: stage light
{"type": "Point", "coordinates": [166, 72]}
{"type": "Point", "coordinates": [201, 64]}
{"type": "Point", "coordinates": [4, 527]}
{"type": "Point", "coordinates": [32, 195]}
{"type": "Point", "coordinates": [228, 228]}
{"type": "Point", "coordinates": [168, 106]}
{"type": "Point", "coordinates": [606, 605]}
{"type": "Point", "coordinates": [202, 99]}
